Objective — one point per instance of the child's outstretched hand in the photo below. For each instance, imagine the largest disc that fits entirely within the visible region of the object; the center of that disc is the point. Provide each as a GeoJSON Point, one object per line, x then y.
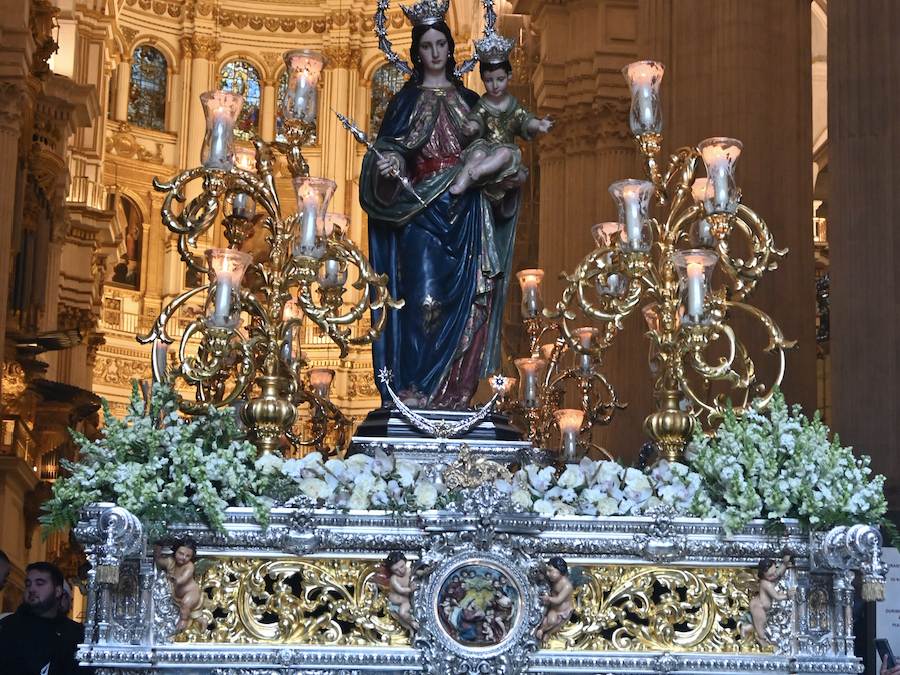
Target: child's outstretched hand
{"type": "Point", "coordinates": [470, 128]}
{"type": "Point", "coordinates": [545, 124]}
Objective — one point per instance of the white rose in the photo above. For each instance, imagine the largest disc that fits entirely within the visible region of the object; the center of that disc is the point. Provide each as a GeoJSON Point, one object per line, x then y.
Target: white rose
{"type": "Point", "coordinates": [358, 462]}
{"type": "Point", "coordinates": [359, 500]}
{"type": "Point", "coordinates": [544, 506]}
{"type": "Point", "coordinates": [608, 473]}
{"type": "Point", "coordinates": [607, 506]}
{"type": "Point", "coordinates": [572, 477]}
{"type": "Point", "coordinates": [269, 465]}
{"type": "Point", "coordinates": [637, 481]}
{"type": "Point", "coordinates": [521, 497]}
{"type": "Point", "coordinates": [426, 495]}
{"type": "Point", "coordinates": [563, 509]}
{"type": "Point", "coordinates": [316, 489]}
{"type": "Point", "coordinates": [593, 495]}
{"type": "Point", "coordinates": [364, 481]}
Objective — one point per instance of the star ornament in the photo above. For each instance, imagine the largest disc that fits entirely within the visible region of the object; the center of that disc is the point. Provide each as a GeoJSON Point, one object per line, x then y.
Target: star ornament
{"type": "Point", "coordinates": [499, 384]}
{"type": "Point", "coordinates": [385, 375]}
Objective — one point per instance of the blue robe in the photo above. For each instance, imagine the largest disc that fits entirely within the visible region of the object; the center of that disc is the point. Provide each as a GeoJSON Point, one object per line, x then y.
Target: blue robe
{"type": "Point", "coordinates": [449, 260]}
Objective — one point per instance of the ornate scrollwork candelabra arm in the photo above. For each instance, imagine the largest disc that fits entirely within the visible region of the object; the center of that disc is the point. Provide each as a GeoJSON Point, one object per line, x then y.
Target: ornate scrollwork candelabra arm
{"type": "Point", "coordinates": [650, 144]}
{"type": "Point", "coordinates": [298, 133]}
{"type": "Point", "coordinates": [325, 417]}
{"type": "Point", "coordinates": [764, 254]}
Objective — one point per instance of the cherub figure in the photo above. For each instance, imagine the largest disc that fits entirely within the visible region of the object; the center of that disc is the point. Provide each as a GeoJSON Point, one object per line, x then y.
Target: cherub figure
{"type": "Point", "coordinates": [185, 589]}
{"type": "Point", "coordinates": [495, 120]}
{"type": "Point", "coordinates": [400, 589]}
{"type": "Point", "coordinates": [755, 620]}
{"type": "Point", "coordinates": [560, 601]}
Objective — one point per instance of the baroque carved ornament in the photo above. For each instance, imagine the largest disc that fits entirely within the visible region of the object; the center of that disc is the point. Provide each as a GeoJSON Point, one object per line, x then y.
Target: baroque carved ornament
{"type": "Point", "coordinates": [258, 22]}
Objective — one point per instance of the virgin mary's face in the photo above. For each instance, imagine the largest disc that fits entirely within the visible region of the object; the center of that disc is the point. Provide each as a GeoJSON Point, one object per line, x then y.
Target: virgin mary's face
{"type": "Point", "coordinates": [434, 51]}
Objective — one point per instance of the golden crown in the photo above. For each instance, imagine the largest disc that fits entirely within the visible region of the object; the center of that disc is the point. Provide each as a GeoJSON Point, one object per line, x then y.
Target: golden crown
{"type": "Point", "coordinates": [426, 12]}
{"type": "Point", "coordinates": [493, 48]}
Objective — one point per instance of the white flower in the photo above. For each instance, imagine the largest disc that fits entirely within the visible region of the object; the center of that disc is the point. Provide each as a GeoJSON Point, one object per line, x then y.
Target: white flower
{"type": "Point", "coordinates": [316, 488]}
{"type": "Point", "coordinates": [544, 506]}
{"type": "Point", "coordinates": [608, 475]}
{"type": "Point", "coordinates": [426, 495]}
{"type": "Point", "coordinates": [269, 465]}
{"type": "Point", "coordinates": [607, 506]}
{"type": "Point", "coordinates": [365, 481]}
{"type": "Point", "coordinates": [359, 499]}
{"type": "Point", "coordinates": [406, 472]}
{"type": "Point", "coordinates": [572, 477]}
{"type": "Point", "coordinates": [562, 509]}
{"type": "Point", "coordinates": [539, 479]}
{"type": "Point", "coordinates": [521, 497]}
{"type": "Point", "coordinates": [358, 462]}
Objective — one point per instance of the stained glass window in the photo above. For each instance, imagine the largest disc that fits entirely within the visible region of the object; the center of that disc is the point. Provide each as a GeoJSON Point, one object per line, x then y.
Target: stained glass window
{"type": "Point", "coordinates": [282, 90]}
{"type": "Point", "coordinates": [386, 82]}
{"type": "Point", "coordinates": [147, 91]}
{"type": "Point", "coordinates": [243, 78]}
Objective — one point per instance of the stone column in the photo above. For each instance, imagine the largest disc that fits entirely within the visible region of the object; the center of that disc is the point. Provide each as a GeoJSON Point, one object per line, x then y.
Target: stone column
{"type": "Point", "coordinates": [267, 107]}
{"type": "Point", "coordinates": [340, 81]}
{"type": "Point", "coordinates": [863, 136]}
{"type": "Point", "coordinates": [175, 99]}
{"type": "Point", "coordinates": [583, 47]}
{"type": "Point", "coordinates": [201, 50]}
{"type": "Point", "coordinates": [123, 86]}
{"type": "Point", "coordinates": [742, 69]}
{"type": "Point", "coordinates": [13, 95]}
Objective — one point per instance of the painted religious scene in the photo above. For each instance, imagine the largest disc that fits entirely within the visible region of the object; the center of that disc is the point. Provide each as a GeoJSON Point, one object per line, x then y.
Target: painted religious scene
{"type": "Point", "coordinates": [341, 375]}
{"type": "Point", "coordinates": [478, 606]}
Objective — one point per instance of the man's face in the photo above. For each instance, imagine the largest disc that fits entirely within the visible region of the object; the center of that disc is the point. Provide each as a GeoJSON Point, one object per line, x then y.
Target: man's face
{"type": "Point", "coordinates": [41, 595]}
{"type": "Point", "coordinates": [4, 573]}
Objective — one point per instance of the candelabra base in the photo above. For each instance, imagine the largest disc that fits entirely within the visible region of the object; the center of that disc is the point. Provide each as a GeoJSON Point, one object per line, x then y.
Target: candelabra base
{"type": "Point", "coordinates": [387, 430]}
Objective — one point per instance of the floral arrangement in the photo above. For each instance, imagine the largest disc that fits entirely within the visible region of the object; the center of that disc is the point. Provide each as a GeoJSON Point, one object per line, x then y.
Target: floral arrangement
{"type": "Point", "coordinates": [160, 466]}
{"type": "Point", "coordinates": [782, 465]}
{"type": "Point", "coordinates": [358, 482]}
{"type": "Point", "coordinates": [165, 468]}
{"type": "Point", "coordinates": [603, 488]}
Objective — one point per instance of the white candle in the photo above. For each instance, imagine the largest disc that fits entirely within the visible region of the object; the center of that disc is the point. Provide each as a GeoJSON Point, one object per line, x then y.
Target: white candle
{"type": "Point", "coordinates": [694, 289]}
{"type": "Point", "coordinates": [308, 220]}
{"type": "Point", "coordinates": [224, 283]}
{"type": "Point", "coordinates": [301, 96]}
{"type": "Point", "coordinates": [218, 141]}
{"type": "Point", "coordinates": [532, 302]}
{"type": "Point", "coordinates": [634, 224]}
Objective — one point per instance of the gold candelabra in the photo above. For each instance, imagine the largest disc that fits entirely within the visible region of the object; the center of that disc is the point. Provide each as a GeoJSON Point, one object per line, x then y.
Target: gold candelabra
{"type": "Point", "coordinates": [667, 266]}
{"type": "Point", "coordinates": [544, 377]}
{"type": "Point", "coordinates": [246, 345]}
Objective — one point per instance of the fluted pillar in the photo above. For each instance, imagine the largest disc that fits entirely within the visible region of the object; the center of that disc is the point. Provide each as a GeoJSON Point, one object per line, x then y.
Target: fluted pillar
{"type": "Point", "coordinates": [13, 95]}
{"type": "Point", "coordinates": [742, 69]}
{"type": "Point", "coordinates": [123, 85]}
{"type": "Point", "coordinates": [267, 107]}
{"type": "Point", "coordinates": [200, 50]}
{"type": "Point", "coordinates": [863, 210]}
{"type": "Point", "coordinates": [340, 82]}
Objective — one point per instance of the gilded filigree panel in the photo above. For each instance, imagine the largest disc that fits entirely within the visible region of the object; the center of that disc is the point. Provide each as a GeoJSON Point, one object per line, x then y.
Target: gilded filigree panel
{"type": "Point", "coordinates": [339, 602]}
{"type": "Point", "coordinates": [657, 609]}
{"type": "Point", "coordinates": [296, 601]}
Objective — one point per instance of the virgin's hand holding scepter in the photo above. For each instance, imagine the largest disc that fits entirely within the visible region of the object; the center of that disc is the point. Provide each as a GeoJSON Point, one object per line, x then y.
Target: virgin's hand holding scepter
{"type": "Point", "coordinates": [383, 162]}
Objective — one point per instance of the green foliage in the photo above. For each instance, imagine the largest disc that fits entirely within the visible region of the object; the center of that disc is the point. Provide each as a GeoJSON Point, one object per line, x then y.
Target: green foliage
{"type": "Point", "coordinates": [161, 466]}
{"type": "Point", "coordinates": [783, 465]}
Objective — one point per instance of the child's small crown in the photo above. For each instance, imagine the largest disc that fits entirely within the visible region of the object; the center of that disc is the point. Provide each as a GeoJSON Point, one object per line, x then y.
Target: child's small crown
{"type": "Point", "coordinates": [493, 48]}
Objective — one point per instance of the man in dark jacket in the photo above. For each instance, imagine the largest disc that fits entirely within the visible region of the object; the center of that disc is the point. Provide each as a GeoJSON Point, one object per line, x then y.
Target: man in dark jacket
{"type": "Point", "coordinates": [38, 639]}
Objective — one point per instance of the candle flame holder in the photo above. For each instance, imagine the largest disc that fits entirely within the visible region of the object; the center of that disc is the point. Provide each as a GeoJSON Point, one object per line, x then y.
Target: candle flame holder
{"type": "Point", "coordinates": [643, 265]}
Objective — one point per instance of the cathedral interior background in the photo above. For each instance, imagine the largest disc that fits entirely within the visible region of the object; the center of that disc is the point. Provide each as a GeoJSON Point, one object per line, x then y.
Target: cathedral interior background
{"type": "Point", "coordinates": [98, 98]}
